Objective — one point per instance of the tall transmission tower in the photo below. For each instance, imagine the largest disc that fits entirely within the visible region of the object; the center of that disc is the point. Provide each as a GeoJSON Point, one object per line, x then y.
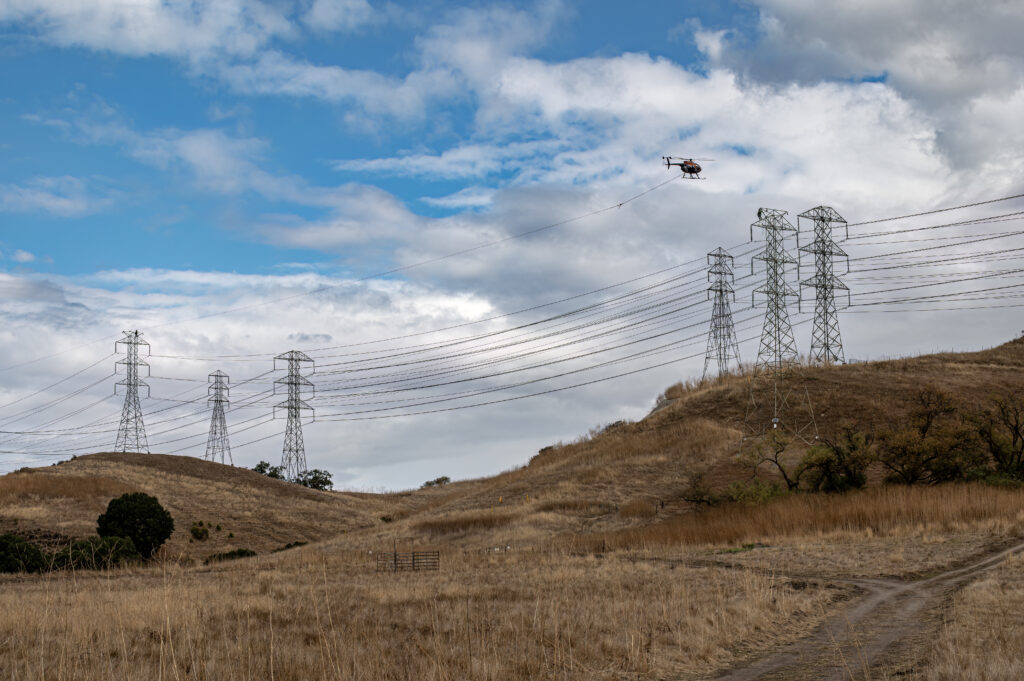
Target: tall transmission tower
{"type": "Point", "coordinates": [723, 345]}
{"type": "Point", "coordinates": [293, 456]}
{"type": "Point", "coordinates": [778, 348]}
{"type": "Point", "coordinates": [217, 445]}
{"type": "Point", "coordinates": [826, 344]}
{"type": "Point", "coordinates": [131, 435]}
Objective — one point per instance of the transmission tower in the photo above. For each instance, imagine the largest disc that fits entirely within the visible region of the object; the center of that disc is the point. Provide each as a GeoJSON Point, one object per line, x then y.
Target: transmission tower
{"type": "Point", "coordinates": [778, 348]}
{"type": "Point", "coordinates": [217, 445]}
{"type": "Point", "coordinates": [722, 342]}
{"type": "Point", "coordinates": [131, 435]}
{"type": "Point", "coordinates": [293, 456]}
{"type": "Point", "coordinates": [826, 344]}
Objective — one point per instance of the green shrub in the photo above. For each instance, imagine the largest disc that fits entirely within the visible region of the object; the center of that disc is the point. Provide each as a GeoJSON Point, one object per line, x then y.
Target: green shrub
{"type": "Point", "coordinates": [838, 464]}
{"type": "Point", "coordinates": [315, 479]}
{"type": "Point", "coordinates": [264, 468]}
{"type": "Point", "coordinates": [229, 555]}
{"type": "Point", "coordinates": [439, 482]}
{"type": "Point", "coordinates": [96, 553]}
{"type": "Point", "coordinates": [139, 517]}
{"type": "Point", "coordinates": [290, 545]}
{"type": "Point", "coordinates": [754, 492]}
{"type": "Point", "coordinates": [18, 555]}
{"type": "Point", "coordinates": [199, 532]}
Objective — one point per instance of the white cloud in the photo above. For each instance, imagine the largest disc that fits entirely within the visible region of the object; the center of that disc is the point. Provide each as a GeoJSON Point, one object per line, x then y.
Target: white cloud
{"type": "Point", "coordinates": [179, 28]}
{"type": "Point", "coordinates": [64, 196]}
{"type": "Point", "coordinates": [22, 256]}
{"type": "Point", "coordinates": [338, 15]}
{"type": "Point", "coordinates": [470, 197]}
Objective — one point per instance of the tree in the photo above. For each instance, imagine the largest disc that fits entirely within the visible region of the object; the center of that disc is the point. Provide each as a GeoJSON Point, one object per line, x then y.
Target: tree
{"type": "Point", "coordinates": [315, 479]}
{"type": "Point", "coordinates": [938, 446]}
{"type": "Point", "coordinates": [771, 451]}
{"type": "Point", "coordinates": [264, 468]}
{"type": "Point", "coordinates": [1001, 428]}
{"type": "Point", "coordinates": [138, 517]}
{"type": "Point", "coordinates": [840, 463]}
{"type": "Point", "coordinates": [18, 555]}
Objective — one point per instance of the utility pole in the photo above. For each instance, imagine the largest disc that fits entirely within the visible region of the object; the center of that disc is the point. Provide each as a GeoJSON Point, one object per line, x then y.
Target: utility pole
{"type": "Point", "coordinates": [723, 345]}
{"type": "Point", "coordinates": [826, 344]}
{"type": "Point", "coordinates": [131, 435]}
{"type": "Point", "coordinates": [293, 456]}
{"type": "Point", "coordinates": [778, 348]}
{"type": "Point", "coordinates": [217, 445]}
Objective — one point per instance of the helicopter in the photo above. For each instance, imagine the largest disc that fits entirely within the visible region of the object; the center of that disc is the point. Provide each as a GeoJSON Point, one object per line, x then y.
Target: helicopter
{"type": "Point", "coordinates": [689, 166]}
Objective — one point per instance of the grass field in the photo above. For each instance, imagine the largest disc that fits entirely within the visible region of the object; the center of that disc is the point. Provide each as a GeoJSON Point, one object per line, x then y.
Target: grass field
{"type": "Point", "coordinates": [589, 562]}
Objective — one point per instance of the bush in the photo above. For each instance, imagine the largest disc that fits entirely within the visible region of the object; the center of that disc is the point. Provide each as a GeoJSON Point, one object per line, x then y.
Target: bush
{"type": "Point", "coordinates": [289, 545]}
{"type": "Point", "coordinates": [229, 555]}
{"type": "Point", "coordinates": [839, 464]}
{"type": "Point", "coordinates": [264, 468]}
{"type": "Point", "coordinates": [96, 553]}
{"type": "Point", "coordinates": [18, 555]}
{"type": "Point", "coordinates": [754, 492]}
{"type": "Point", "coordinates": [438, 482]}
{"type": "Point", "coordinates": [315, 479]}
{"type": "Point", "coordinates": [139, 517]}
{"type": "Point", "coordinates": [199, 532]}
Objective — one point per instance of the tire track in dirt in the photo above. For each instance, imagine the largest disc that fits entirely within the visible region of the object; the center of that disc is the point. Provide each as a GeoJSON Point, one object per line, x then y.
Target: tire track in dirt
{"type": "Point", "coordinates": [880, 629]}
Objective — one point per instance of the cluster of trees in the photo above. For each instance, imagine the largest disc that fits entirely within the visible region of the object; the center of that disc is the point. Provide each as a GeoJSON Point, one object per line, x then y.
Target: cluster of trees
{"type": "Point", "coordinates": [133, 527]}
{"type": "Point", "coordinates": [941, 441]}
{"type": "Point", "coordinates": [314, 478]}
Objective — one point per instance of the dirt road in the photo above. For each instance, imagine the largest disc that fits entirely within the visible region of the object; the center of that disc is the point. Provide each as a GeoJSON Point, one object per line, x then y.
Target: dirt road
{"type": "Point", "coordinates": [884, 630]}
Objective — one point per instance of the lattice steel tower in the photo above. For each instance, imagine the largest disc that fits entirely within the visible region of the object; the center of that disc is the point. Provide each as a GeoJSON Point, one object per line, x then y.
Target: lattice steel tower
{"type": "Point", "coordinates": [131, 435]}
{"type": "Point", "coordinates": [722, 343]}
{"type": "Point", "coordinates": [293, 456]}
{"type": "Point", "coordinates": [778, 348]}
{"type": "Point", "coordinates": [826, 344]}
{"type": "Point", "coordinates": [217, 445]}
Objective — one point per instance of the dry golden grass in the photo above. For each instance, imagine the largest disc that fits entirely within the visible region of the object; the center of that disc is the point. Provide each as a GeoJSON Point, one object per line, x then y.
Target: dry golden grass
{"type": "Point", "coordinates": [308, 615]}
{"type": "Point", "coordinates": [542, 610]}
{"type": "Point", "coordinates": [982, 637]}
{"type": "Point", "coordinates": [465, 522]}
{"type": "Point", "coordinates": [638, 508]}
{"type": "Point", "coordinates": [261, 513]}
{"type": "Point", "coordinates": [879, 511]}
{"type": "Point", "coordinates": [18, 487]}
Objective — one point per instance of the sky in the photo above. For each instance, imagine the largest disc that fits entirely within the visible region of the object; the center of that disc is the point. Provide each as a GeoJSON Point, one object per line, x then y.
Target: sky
{"type": "Point", "coordinates": [241, 178]}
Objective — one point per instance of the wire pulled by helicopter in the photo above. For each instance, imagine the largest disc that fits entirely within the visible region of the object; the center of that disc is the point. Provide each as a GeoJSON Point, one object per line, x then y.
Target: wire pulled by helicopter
{"type": "Point", "coordinates": [689, 166]}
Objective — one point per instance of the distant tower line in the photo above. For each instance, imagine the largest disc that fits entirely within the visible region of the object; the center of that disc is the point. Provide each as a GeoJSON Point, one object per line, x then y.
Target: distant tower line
{"type": "Point", "coordinates": [131, 435]}
{"type": "Point", "coordinates": [293, 456]}
{"type": "Point", "coordinates": [723, 345]}
{"type": "Point", "coordinates": [826, 343]}
{"type": "Point", "coordinates": [217, 445]}
{"type": "Point", "coordinates": [778, 347]}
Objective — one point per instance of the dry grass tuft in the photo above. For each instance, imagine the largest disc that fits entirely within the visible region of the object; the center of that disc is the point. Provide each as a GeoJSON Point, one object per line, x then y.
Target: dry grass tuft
{"type": "Point", "coordinates": [19, 486]}
{"type": "Point", "coordinates": [880, 511]}
{"type": "Point", "coordinates": [986, 619]}
{"type": "Point", "coordinates": [465, 522]}
{"type": "Point", "coordinates": [638, 508]}
{"type": "Point", "coordinates": [575, 505]}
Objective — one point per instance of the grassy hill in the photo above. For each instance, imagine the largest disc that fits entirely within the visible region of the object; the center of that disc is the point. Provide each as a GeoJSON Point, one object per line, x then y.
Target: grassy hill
{"type": "Point", "coordinates": [587, 562]}
{"type": "Point", "coordinates": [626, 475]}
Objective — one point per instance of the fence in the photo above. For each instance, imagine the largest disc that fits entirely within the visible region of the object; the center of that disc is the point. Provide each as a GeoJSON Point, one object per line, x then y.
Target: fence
{"type": "Point", "coordinates": [413, 560]}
